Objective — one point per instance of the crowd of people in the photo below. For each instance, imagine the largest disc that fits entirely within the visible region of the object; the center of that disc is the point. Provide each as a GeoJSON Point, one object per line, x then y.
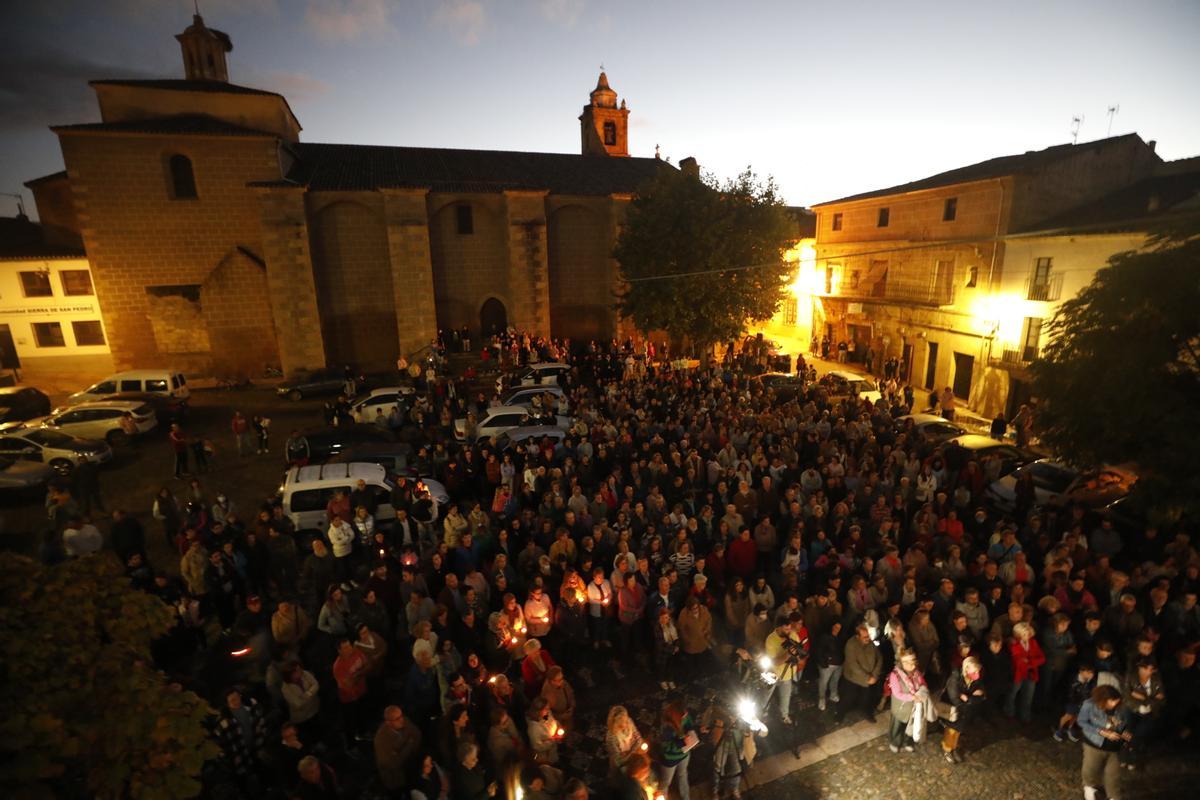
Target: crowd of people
{"type": "Point", "coordinates": [691, 521]}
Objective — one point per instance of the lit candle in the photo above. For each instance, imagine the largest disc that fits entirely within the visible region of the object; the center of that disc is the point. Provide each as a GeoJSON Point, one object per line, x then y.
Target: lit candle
{"type": "Point", "coordinates": [512, 640]}
{"type": "Point", "coordinates": [645, 747]}
{"type": "Point", "coordinates": [559, 733]}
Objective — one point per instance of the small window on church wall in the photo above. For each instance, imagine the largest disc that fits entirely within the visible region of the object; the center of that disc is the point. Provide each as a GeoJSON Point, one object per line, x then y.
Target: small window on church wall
{"type": "Point", "coordinates": [610, 134]}
{"type": "Point", "coordinates": [466, 220]}
{"type": "Point", "coordinates": [183, 180]}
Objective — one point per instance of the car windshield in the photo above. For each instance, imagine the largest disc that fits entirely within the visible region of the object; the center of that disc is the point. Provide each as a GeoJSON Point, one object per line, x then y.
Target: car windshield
{"type": "Point", "coordinates": [1051, 478]}
{"type": "Point", "coordinates": [862, 385]}
{"type": "Point", "coordinates": [49, 438]}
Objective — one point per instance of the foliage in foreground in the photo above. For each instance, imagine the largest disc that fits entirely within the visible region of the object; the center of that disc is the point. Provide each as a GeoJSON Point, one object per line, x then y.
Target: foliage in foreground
{"type": "Point", "coordinates": [1120, 380]}
{"type": "Point", "coordinates": [85, 712]}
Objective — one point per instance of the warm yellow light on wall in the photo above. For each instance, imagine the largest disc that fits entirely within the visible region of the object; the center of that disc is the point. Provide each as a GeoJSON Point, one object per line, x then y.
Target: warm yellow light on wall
{"type": "Point", "coordinates": [804, 256]}
{"type": "Point", "coordinates": [1002, 316]}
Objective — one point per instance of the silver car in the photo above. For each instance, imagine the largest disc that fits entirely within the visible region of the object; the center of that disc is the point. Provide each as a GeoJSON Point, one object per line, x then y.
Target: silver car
{"type": "Point", "coordinates": [16, 475]}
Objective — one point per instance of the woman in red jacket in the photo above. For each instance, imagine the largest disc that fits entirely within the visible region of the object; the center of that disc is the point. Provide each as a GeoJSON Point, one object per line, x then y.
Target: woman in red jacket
{"type": "Point", "coordinates": [1027, 657]}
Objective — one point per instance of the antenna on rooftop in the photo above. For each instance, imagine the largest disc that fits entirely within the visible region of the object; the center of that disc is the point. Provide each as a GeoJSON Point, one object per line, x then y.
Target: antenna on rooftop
{"type": "Point", "coordinates": [20, 202]}
{"type": "Point", "coordinates": [1112, 112]}
{"type": "Point", "coordinates": [1076, 123]}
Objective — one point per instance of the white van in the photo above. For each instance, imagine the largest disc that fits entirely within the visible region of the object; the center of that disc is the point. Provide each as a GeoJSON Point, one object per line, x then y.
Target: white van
{"type": "Point", "coordinates": [307, 490]}
{"type": "Point", "coordinates": [163, 382]}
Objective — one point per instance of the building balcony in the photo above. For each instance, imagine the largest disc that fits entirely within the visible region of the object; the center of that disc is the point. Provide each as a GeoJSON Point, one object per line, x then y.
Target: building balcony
{"type": "Point", "coordinates": [1047, 291]}
{"type": "Point", "coordinates": [1015, 357]}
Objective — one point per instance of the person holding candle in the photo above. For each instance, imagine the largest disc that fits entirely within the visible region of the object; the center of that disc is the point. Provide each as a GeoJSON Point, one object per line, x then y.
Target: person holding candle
{"type": "Point", "coordinates": [600, 608]}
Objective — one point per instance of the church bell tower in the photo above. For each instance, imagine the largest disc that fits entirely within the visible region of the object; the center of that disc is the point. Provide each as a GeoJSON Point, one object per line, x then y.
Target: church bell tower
{"type": "Point", "coordinates": [204, 52]}
{"type": "Point", "coordinates": [603, 125]}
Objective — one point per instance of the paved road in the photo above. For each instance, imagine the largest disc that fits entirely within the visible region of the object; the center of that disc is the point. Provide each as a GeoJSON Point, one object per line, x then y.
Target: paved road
{"type": "Point", "coordinates": [1006, 762]}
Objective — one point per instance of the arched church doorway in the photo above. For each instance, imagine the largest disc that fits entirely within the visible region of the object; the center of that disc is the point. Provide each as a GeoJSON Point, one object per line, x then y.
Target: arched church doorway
{"type": "Point", "coordinates": [493, 318]}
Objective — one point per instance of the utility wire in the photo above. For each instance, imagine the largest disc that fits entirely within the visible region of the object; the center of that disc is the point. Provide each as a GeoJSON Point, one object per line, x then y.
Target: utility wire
{"type": "Point", "coordinates": [945, 243]}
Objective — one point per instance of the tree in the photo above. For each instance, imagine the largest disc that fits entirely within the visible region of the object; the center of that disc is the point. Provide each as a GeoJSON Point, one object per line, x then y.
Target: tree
{"type": "Point", "coordinates": [1120, 378]}
{"type": "Point", "coordinates": [85, 712]}
{"type": "Point", "coordinates": [700, 260]}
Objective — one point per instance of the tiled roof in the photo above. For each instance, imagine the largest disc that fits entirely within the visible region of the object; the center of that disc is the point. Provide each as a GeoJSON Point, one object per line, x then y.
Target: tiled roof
{"type": "Point", "coordinates": [992, 168]}
{"type": "Point", "coordinates": [53, 176]}
{"type": "Point", "coordinates": [350, 167]}
{"type": "Point", "coordinates": [1133, 207]}
{"type": "Point", "coordinates": [181, 85]}
{"type": "Point", "coordinates": [21, 238]}
{"type": "Point", "coordinates": [180, 124]}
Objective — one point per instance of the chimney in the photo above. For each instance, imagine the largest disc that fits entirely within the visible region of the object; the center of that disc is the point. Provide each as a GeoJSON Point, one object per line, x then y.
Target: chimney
{"type": "Point", "coordinates": [1152, 144]}
{"type": "Point", "coordinates": [690, 167]}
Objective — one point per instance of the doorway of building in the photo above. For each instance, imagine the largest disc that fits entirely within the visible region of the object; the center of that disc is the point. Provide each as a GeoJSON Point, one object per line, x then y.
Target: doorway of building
{"type": "Point", "coordinates": [906, 363]}
{"type": "Point", "coordinates": [931, 366]}
{"type": "Point", "coordinates": [493, 318]}
{"type": "Point", "coordinates": [964, 366]}
{"type": "Point", "coordinates": [8, 350]}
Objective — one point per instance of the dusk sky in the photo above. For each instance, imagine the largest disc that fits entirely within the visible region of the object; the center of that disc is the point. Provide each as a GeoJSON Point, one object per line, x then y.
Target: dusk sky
{"type": "Point", "coordinates": [830, 98]}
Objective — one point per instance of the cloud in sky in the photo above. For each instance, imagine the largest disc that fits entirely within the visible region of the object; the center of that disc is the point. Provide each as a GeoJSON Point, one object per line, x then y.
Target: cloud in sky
{"type": "Point", "coordinates": [346, 20]}
{"type": "Point", "coordinates": [45, 87]}
{"type": "Point", "coordinates": [464, 19]}
{"type": "Point", "coordinates": [295, 86]}
{"type": "Point", "coordinates": [561, 12]}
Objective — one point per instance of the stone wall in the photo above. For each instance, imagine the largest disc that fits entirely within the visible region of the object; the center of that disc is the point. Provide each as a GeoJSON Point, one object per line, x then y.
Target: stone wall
{"type": "Point", "coordinates": [290, 281]}
{"type": "Point", "coordinates": [412, 268]}
{"type": "Point", "coordinates": [467, 268]}
{"type": "Point", "coordinates": [236, 305]}
{"type": "Point", "coordinates": [581, 276]}
{"type": "Point", "coordinates": [138, 238]}
{"type": "Point", "coordinates": [351, 262]}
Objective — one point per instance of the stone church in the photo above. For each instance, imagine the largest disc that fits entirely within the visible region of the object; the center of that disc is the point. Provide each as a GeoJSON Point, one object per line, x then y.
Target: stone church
{"type": "Point", "coordinates": [220, 242]}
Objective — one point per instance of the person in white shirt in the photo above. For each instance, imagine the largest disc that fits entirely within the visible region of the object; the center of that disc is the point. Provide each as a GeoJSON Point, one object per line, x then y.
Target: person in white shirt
{"type": "Point", "coordinates": [81, 538]}
{"type": "Point", "coordinates": [600, 606]}
{"type": "Point", "coordinates": [341, 539]}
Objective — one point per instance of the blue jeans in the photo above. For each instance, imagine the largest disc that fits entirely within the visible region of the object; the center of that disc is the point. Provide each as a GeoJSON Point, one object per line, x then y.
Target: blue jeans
{"type": "Point", "coordinates": [1020, 700]}
{"type": "Point", "coordinates": [666, 774]}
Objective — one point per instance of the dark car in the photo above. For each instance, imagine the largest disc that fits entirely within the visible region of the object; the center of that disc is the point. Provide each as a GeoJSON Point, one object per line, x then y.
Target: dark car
{"type": "Point", "coordinates": [324, 443]}
{"type": "Point", "coordinates": [978, 447]}
{"type": "Point", "coordinates": [395, 457]}
{"type": "Point", "coordinates": [785, 385]}
{"type": "Point", "coordinates": [166, 409]}
{"type": "Point", "coordinates": [19, 403]}
{"type": "Point", "coordinates": [328, 381]}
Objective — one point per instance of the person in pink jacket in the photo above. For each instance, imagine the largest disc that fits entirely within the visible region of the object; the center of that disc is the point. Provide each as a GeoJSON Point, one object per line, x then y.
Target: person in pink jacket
{"type": "Point", "coordinates": [906, 685]}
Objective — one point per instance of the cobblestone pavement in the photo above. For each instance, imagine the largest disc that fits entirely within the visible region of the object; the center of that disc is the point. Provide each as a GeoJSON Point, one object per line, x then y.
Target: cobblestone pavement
{"type": "Point", "coordinates": [1003, 762]}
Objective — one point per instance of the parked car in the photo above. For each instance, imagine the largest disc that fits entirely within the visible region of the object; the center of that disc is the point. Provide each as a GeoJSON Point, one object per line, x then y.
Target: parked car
{"type": "Point", "coordinates": [933, 428]}
{"type": "Point", "coordinates": [365, 405]}
{"type": "Point", "coordinates": [498, 419]}
{"type": "Point", "coordinates": [395, 457]}
{"type": "Point", "coordinates": [523, 395]}
{"type": "Point", "coordinates": [785, 385]}
{"type": "Point", "coordinates": [306, 491]}
{"type": "Point", "coordinates": [324, 443]}
{"type": "Point", "coordinates": [519, 436]}
{"type": "Point", "coordinates": [1098, 488]}
{"type": "Point", "coordinates": [979, 446]}
{"type": "Point", "coordinates": [167, 409]}
{"type": "Point", "coordinates": [19, 403]}
{"type": "Point", "coordinates": [165, 382]}
{"type": "Point", "coordinates": [533, 375]}
{"type": "Point", "coordinates": [1050, 479]}
{"type": "Point", "coordinates": [840, 383]}
{"type": "Point", "coordinates": [53, 448]}
{"type": "Point", "coordinates": [17, 474]}
{"type": "Point", "coordinates": [329, 381]}
{"type": "Point", "coordinates": [99, 419]}
{"type": "Point", "coordinates": [312, 383]}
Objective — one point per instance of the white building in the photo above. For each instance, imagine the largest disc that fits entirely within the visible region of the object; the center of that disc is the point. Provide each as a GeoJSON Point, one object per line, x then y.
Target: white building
{"type": "Point", "coordinates": [50, 322]}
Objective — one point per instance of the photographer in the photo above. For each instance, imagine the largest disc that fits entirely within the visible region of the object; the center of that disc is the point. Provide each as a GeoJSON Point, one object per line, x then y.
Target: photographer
{"type": "Point", "coordinates": [788, 648]}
